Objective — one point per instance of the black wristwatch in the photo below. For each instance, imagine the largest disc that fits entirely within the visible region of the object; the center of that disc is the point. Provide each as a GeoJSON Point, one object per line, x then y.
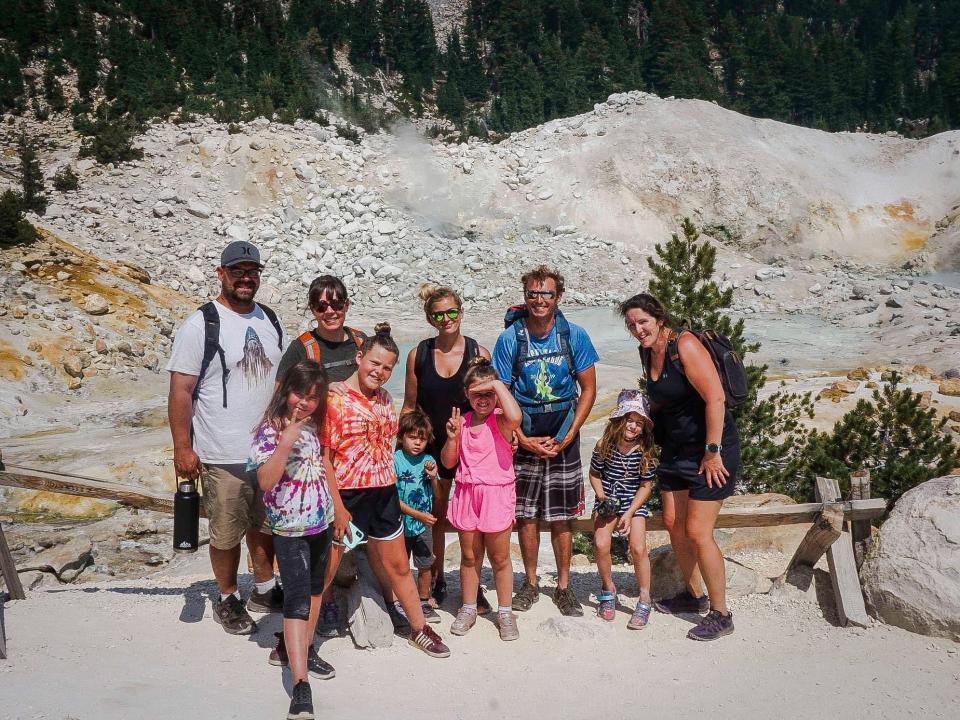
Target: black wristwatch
{"type": "Point", "coordinates": [713, 447]}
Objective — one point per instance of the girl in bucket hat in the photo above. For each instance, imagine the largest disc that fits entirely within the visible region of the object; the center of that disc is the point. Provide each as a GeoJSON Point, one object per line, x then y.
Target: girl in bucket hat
{"type": "Point", "coordinates": [622, 473]}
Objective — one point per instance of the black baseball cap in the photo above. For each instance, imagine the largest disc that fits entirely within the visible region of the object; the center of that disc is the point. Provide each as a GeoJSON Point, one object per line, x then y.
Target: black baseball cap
{"type": "Point", "coordinates": [240, 251]}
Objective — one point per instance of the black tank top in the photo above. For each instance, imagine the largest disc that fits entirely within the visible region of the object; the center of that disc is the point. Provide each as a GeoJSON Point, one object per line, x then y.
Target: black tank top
{"type": "Point", "coordinates": [436, 395]}
{"type": "Point", "coordinates": [679, 412]}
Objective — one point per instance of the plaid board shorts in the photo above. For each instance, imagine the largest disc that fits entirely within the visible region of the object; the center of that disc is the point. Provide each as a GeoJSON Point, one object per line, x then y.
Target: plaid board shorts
{"type": "Point", "coordinates": [550, 488]}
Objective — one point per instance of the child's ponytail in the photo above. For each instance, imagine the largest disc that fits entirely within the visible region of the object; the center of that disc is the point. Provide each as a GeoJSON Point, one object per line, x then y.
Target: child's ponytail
{"type": "Point", "coordinates": [381, 338]}
{"type": "Point", "coordinates": [479, 369]}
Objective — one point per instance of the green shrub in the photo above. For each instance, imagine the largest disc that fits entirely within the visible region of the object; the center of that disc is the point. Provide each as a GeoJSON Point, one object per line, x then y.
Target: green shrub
{"type": "Point", "coordinates": [14, 229]}
{"type": "Point", "coordinates": [348, 133]}
{"type": "Point", "coordinates": [66, 180]}
{"type": "Point", "coordinates": [111, 141]}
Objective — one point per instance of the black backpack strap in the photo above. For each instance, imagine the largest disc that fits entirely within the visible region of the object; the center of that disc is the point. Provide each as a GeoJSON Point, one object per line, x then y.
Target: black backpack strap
{"type": "Point", "coordinates": [471, 348]}
{"type": "Point", "coordinates": [424, 347]}
{"type": "Point", "coordinates": [211, 348]}
{"type": "Point", "coordinates": [272, 317]}
{"type": "Point", "coordinates": [522, 351]}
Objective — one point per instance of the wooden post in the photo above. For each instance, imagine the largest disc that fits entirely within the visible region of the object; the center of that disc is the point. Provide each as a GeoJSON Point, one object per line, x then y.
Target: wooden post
{"type": "Point", "coordinates": [843, 566]}
{"type": "Point", "coordinates": [860, 530]}
{"type": "Point", "coordinates": [9, 571]}
{"type": "Point", "coordinates": [3, 630]}
{"type": "Point", "coordinates": [822, 534]}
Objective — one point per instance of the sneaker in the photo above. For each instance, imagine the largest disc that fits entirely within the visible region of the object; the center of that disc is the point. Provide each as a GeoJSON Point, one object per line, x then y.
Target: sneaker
{"type": "Point", "coordinates": [683, 602]}
{"type": "Point", "coordinates": [269, 602]}
{"type": "Point", "coordinates": [428, 641]}
{"type": "Point", "coordinates": [567, 602]}
{"type": "Point", "coordinates": [397, 616]}
{"type": "Point", "coordinates": [233, 617]}
{"type": "Point", "coordinates": [607, 605]}
{"type": "Point", "coordinates": [483, 605]}
{"type": "Point", "coordinates": [301, 702]}
{"type": "Point", "coordinates": [640, 617]}
{"type": "Point", "coordinates": [329, 625]}
{"type": "Point", "coordinates": [316, 666]}
{"type": "Point", "coordinates": [440, 590]}
{"type": "Point", "coordinates": [525, 597]}
{"type": "Point", "coordinates": [429, 614]}
{"type": "Point", "coordinates": [465, 620]}
{"type": "Point", "coordinates": [714, 625]}
{"type": "Point", "coordinates": [507, 623]}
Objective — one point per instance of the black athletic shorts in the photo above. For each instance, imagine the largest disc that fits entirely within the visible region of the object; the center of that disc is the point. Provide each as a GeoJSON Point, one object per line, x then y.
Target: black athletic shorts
{"type": "Point", "coordinates": [679, 470]}
{"type": "Point", "coordinates": [375, 511]}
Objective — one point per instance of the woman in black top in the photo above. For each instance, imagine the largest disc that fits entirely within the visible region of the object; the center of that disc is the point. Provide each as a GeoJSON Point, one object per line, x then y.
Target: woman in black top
{"type": "Point", "coordinates": [434, 383]}
{"type": "Point", "coordinates": [699, 457]}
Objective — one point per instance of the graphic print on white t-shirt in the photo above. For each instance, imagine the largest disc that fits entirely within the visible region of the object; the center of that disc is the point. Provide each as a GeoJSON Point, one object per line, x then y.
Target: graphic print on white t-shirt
{"type": "Point", "coordinates": [223, 435]}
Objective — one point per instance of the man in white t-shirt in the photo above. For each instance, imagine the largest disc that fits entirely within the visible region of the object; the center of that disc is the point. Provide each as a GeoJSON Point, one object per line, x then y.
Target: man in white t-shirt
{"type": "Point", "coordinates": [218, 392]}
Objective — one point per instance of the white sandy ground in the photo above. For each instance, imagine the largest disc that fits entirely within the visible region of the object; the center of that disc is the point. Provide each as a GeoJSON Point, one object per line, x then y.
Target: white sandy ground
{"type": "Point", "coordinates": [149, 649]}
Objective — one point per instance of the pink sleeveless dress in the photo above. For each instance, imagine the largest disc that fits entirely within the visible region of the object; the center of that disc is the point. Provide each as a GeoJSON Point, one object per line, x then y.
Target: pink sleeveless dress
{"type": "Point", "coordinates": [485, 494]}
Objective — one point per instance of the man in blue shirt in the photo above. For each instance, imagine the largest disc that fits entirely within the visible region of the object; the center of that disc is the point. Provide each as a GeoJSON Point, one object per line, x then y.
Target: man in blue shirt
{"type": "Point", "coordinates": [548, 363]}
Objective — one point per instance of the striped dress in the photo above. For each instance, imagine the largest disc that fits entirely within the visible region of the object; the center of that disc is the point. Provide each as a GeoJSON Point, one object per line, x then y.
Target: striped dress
{"type": "Point", "coordinates": [621, 477]}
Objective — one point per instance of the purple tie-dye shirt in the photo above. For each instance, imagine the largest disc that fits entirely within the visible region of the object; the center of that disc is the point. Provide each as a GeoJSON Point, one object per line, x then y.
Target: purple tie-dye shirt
{"type": "Point", "coordinates": [300, 503]}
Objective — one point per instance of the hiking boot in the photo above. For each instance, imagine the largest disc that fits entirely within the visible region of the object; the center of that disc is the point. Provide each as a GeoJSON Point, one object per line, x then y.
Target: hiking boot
{"type": "Point", "coordinates": [329, 625]}
{"type": "Point", "coordinates": [233, 617]}
{"type": "Point", "coordinates": [607, 605]}
{"type": "Point", "coordinates": [640, 617]}
{"type": "Point", "coordinates": [525, 597]}
{"type": "Point", "coordinates": [301, 702]}
{"type": "Point", "coordinates": [440, 590]}
{"type": "Point", "coordinates": [428, 641]}
{"type": "Point", "coordinates": [567, 602]}
{"type": "Point", "coordinates": [465, 620]}
{"type": "Point", "coordinates": [683, 602]}
{"type": "Point", "coordinates": [268, 602]}
{"type": "Point", "coordinates": [714, 625]}
{"type": "Point", "coordinates": [483, 605]}
{"type": "Point", "coordinates": [507, 623]}
{"type": "Point", "coordinates": [429, 614]}
{"type": "Point", "coordinates": [316, 665]}
{"type": "Point", "coordinates": [397, 616]}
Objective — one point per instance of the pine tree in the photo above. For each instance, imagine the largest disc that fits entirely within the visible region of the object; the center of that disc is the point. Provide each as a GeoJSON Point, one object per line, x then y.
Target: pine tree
{"type": "Point", "coordinates": [31, 176]}
{"type": "Point", "coordinates": [14, 229]}
{"type": "Point", "coordinates": [53, 90]}
{"type": "Point", "coordinates": [474, 79]}
{"type": "Point", "coordinates": [772, 435]}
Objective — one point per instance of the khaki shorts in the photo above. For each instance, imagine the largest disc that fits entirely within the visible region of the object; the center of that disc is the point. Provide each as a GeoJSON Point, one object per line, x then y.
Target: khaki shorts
{"type": "Point", "coordinates": [234, 504]}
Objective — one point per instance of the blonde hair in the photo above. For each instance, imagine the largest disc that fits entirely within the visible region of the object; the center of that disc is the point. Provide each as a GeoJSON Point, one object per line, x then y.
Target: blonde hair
{"type": "Point", "coordinates": [613, 434]}
{"type": "Point", "coordinates": [430, 293]}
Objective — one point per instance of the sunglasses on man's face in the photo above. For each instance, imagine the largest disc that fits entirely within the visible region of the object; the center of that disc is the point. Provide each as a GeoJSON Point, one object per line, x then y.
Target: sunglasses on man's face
{"type": "Point", "coordinates": [336, 306]}
{"type": "Point", "coordinates": [452, 314]}
{"type": "Point", "coordinates": [545, 294]}
{"type": "Point", "coordinates": [241, 273]}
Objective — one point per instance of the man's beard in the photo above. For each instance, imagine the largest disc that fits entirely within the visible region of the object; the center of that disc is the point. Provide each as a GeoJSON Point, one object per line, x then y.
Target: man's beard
{"type": "Point", "coordinates": [234, 293]}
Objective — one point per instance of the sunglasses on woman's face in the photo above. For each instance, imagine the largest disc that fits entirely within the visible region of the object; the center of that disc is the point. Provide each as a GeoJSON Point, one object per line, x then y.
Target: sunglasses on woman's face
{"type": "Point", "coordinates": [451, 314]}
{"type": "Point", "coordinates": [336, 306]}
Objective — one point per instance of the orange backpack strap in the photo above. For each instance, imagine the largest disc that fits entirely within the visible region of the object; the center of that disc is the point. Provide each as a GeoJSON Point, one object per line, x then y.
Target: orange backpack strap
{"type": "Point", "coordinates": [355, 334]}
{"type": "Point", "coordinates": [310, 345]}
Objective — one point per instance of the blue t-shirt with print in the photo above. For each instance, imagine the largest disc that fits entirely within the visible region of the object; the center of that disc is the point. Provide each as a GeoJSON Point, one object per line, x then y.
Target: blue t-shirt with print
{"type": "Point", "coordinates": [546, 380]}
{"type": "Point", "coordinates": [414, 486]}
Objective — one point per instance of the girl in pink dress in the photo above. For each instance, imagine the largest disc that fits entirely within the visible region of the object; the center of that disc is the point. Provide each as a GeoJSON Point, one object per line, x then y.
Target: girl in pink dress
{"type": "Point", "coordinates": [483, 505]}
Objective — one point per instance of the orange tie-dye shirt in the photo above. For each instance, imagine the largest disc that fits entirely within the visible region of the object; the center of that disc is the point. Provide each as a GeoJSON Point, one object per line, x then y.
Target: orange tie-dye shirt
{"type": "Point", "coordinates": [361, 433]}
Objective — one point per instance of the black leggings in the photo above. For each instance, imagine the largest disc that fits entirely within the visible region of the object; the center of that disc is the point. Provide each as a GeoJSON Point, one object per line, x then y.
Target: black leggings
{"type": "Point", "coordinates": [303, 563]}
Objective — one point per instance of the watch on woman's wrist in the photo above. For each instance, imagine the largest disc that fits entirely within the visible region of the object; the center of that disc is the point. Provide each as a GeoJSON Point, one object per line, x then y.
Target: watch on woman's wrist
{"type": "Point", "coordinates": [713, 447]}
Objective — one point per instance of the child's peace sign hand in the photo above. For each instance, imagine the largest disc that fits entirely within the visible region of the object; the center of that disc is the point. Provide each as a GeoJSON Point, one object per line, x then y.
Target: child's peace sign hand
{"type": "Point", "coordinates": [294, 425]}
{"type": "Point", "coordinates": [453, 425]}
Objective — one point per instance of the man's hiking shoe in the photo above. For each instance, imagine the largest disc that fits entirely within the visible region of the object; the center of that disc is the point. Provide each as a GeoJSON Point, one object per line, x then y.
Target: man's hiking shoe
{"type": "Point", "coordinates": [607, 605]}
{"type": "Point", "coordinates": [329, 625]}
{"type": "Point", "coordinates": [428, 641]}
{"type": "Point", "coordinates": [233, 617]}
{"type": "Point", "coordinates": [640, 617]}
{"type": "Point", "coordinates": [465, 620]}
{"type": "Point", "coordinates": [301, 702]}
{"type": "Point", "coordinates": [525, 598]}
{"type": "Point", "coordinates": [440, 590]}
{"type": "Point", "coordinates": [397, 616]}
{"type": "Point", "coordinates": [507, 624]}
{"type": "Point", "coordinates": [483, 605]}
{"type": "Point", "coordinates": [683, 602]}
{"type": "Point", "coordinates": [268, 602]}
{"type": "Point", "coordinates": [429, 614]}
{"type": "Point", "coordinates": [567, 602]}
{"type": "Point", "coordinates": [316, 665]}
{"type": "Point", "coordinates": [713, 626]}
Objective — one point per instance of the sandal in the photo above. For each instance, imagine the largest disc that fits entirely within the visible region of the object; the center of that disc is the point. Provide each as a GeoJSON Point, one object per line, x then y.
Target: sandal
{"type": "Point", "coordinates": [525, 597]}
{"type": "Point", "coordinates": [607, 607]}
{"type": "Point", "coordinates": [638, 621]}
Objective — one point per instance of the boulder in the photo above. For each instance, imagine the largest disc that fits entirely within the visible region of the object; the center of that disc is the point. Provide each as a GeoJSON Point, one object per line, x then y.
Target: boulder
{"type": "Point", "coordinates": [66, 561]}
{"type": "Point", "coordinates": [911, 577]}
{"type": "Point", "coordinates": [667, 580]}
{"type": "Point", "coordinates": [199, 209]}
{"type": "Point", "coordinates": [73, 365]}
{"type": "Point", "coordinates": [96, 304]}
{"type": "Point", "coordinates": [370, 624]}
{"type": "Point", "coordinates": [950, 387]}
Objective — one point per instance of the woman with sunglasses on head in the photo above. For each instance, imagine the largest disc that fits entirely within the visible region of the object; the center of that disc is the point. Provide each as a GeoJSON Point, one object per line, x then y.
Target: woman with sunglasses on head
{"type": "Point", "coordinates": [331, 343]}
{"type": "Point", "coordinates": [434, 383]}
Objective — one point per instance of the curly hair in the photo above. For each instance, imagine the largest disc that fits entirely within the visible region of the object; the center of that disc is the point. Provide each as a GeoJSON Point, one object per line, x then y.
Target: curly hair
{"type": "Point", "coordinates": [613, 434]}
